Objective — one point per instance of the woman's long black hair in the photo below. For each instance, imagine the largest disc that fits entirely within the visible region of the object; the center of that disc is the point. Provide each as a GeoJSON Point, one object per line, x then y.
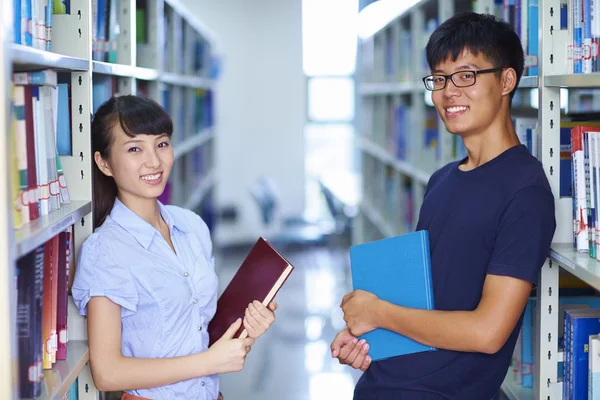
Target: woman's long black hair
{"type": "Point", "coordinates": [136, 115]}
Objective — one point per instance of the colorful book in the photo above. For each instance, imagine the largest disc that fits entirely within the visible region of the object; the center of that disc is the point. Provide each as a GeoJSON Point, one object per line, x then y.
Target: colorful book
{"type": "Point", "coordinates": [261, 275]}
{"type": "Point", "coordinates": [397, 270]}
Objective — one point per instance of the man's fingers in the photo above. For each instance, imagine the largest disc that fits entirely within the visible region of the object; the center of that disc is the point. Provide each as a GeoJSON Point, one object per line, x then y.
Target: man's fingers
{"type": "Point", "coordinates": [366, 363]}
{"type": "Point", "coordinates": [346, 298]}
{"type": "Point", "coordinates": [355, 353]}
{"type": "Point", "coordinates": [346, 349]}
{"type": "Point", "coordinates": [340, 339]}
{"type": "Point", "coordinates": [360, 358]}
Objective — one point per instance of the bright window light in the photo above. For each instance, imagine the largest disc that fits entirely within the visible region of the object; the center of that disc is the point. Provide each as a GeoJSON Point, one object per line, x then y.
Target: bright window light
{"type": "Point", "coordinates": [378, 14]}
{"type": "Point", "coordinates": [329, 36]}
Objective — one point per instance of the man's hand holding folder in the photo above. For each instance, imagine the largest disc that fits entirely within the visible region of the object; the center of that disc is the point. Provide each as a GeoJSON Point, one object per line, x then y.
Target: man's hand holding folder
{"type": "Point", "coordinates": [360, 311]}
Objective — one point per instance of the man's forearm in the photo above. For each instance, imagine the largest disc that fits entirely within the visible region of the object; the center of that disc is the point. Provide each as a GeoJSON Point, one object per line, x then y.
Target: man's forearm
{"type": "Point", "coordinates": [449, 330]}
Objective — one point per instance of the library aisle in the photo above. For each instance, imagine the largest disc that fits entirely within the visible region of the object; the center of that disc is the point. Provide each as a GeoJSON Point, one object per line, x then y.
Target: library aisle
{"type": "Point", "coordinates": [293, 361]}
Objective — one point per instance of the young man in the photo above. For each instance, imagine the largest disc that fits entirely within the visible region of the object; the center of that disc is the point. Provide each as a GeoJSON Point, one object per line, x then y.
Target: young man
{"type": "Point", "coordinates": [490, 219]}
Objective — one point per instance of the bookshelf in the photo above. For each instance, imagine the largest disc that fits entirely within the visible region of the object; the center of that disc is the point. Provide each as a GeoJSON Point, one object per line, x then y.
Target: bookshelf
{"type": "Point", "coordinates": [402, 141]}
{"type": "Point", "coordinates": [160, 50]}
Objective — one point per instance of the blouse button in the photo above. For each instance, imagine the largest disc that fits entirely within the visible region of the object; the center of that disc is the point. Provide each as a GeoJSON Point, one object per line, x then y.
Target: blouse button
{"type": "Point", "coordinates": [195, 301]}
{"type": "Point", "coordinates": [202, 383]}
{"type": "Point", "coordinates": [186, 274]}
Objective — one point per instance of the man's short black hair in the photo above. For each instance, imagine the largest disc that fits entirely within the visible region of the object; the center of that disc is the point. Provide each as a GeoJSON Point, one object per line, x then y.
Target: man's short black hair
{"type": "Point", "coordinates": [482, 34]}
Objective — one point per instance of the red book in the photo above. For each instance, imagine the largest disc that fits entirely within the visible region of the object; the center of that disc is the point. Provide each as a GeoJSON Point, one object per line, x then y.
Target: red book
{"type": "Point", "coordinates": [261, 275]}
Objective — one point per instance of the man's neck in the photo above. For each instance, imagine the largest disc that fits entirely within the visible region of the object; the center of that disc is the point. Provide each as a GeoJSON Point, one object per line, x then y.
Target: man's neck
{"type": "Point", "coordinates": [147, 209]}
{"type": "Point", "coordinates": [486, 145]}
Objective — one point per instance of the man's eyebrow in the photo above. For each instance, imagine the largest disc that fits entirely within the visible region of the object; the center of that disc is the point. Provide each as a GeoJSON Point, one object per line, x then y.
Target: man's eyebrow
{"type": "Point", "coordinates": [466, 66]}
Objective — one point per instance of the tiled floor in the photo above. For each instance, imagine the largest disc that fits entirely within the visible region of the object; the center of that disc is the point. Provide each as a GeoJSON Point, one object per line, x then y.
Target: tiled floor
{"type": "Point", "coordinates": [293, 361]}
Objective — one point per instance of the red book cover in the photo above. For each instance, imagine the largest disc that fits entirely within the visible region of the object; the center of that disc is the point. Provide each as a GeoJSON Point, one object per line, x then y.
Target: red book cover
{"type": "Point", "coordinates": [261, 275]}
{"type": "Point", "coordinates": [62, 295]}
{"type": "Point", "coordinates": [47, 328]}
{"type": "Point", "coordinates": [32, 183]}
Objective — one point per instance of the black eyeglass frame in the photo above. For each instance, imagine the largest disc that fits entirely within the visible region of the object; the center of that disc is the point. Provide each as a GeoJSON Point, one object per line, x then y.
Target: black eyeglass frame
{"type": "Point", "coordinates": [451, 77]}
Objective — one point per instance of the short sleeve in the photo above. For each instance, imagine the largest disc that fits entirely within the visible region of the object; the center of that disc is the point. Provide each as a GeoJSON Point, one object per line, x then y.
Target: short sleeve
{"type": "Point", "coordinates": [524, 235]}
{"type": "Point", "coordinates": [97, 274]}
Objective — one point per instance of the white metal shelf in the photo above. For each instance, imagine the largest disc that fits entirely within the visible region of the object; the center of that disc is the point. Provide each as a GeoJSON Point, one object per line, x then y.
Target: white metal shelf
{"type": "Point", "coordinates": [208, 181]}
{"type": "Point", "coordinates": [573, 80]}
{"type": "Point", "coordinates": [58, 380]}
{"type": "Point", "coordinates": [105, 68]}
{"type": "Point", "coordinates": [529, 82]}
{"type": "Point", "coordinates": [579, 264]}
{"type": "Point", "coordinates": [39, 231]}
{"type": "Point", "coordinates": [193, 142]}
{"type": "Point", "coordinates": [402, 166]}
{"type": "Point", "coordinates": [385, 88]}
{"type": "Point", "coordinates": [185, 80]}
{"type": "Point", "coordinates": [25, 57]}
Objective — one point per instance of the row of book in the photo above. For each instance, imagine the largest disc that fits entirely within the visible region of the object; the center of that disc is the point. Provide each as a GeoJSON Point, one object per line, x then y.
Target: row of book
{"type": "Point", "coordinates": [579, 340]}
{"type": "Point", "coordinates": [33, 19]}
{"type": "Point", "coordinates": [194, 167]}
{"type": "Point", "coordinates": [580, 166]}
{"type": "Point", "coordinates": [186, 50]}
{"type": "Point", "coordinates": [192, 110]}
{"type": "Point", "coordinates": [385, 188]}
{"type": "Point", "coordinates": [580, 24]}
{"type": "Point", "coordinates": [105, 30]}
{"type": "Point", "coordinates": [523, 16]}
{"type": "Point", "coordinates": [387, 121]}
{"type": "Point", "coordinates": [40, 125]}
{"type": "Point", "coordinates": [43, 277]}
{"type": "Point", "coordinates": [386, 57]}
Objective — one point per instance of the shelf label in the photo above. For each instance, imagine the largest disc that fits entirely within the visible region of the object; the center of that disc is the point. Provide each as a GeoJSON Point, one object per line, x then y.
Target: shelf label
{"type": "Point", "coordinates": [562, 260]}
{"type": "Point", "coordinates": [64, 224]}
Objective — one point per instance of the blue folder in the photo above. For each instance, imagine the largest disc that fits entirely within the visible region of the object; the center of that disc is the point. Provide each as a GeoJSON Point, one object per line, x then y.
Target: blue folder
{"type": "Point", "coordinates": [398, 270]}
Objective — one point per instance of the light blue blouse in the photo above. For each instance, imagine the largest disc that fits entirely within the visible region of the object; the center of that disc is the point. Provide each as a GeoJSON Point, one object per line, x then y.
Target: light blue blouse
{"type": "Point", "coordinates": [167, 299]}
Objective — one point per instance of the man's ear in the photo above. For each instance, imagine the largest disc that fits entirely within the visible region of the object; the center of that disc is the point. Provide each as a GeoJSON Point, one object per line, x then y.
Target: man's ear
{"type": "Point", "coordinates": [102, 164]}
{"type": "Point", "coordinates": [509, 80]}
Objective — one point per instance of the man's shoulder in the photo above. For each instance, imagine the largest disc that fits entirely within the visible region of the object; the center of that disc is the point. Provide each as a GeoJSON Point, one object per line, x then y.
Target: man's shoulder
{"type": "Point", "coordinates": [525, 171]}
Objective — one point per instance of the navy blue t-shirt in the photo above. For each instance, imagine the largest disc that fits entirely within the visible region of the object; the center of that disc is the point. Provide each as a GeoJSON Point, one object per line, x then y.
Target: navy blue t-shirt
{"type": "Point", "coordinates": [495, 219]}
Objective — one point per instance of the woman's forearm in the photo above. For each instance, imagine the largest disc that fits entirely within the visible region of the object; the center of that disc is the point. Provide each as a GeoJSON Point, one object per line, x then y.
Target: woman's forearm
{"type": "Point", "coordinates": [129, 373]}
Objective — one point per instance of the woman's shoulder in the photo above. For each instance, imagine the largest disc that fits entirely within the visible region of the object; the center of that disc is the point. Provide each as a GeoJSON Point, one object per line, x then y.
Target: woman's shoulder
{"type": "Point", "coordinates": [99, 242]}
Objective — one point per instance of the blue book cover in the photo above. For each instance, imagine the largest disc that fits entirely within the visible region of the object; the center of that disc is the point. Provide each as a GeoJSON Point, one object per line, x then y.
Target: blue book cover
{"type": "Point", "coordinates": [397, 270]}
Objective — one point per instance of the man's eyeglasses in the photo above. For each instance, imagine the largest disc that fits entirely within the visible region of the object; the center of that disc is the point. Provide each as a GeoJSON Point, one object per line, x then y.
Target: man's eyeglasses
{"type": "Point", "coordinates": [459, 78]}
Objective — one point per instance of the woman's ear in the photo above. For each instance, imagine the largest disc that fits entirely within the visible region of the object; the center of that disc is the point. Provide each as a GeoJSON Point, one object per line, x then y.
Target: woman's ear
{"type": "Point", "coordinates": [509, 80]}
{"type": "Point", "coordinates": [102, 164]}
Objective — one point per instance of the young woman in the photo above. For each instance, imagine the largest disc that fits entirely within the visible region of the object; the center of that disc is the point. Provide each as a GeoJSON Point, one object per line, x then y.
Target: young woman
{"type": "Point", "coordinates": [145, 278]}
